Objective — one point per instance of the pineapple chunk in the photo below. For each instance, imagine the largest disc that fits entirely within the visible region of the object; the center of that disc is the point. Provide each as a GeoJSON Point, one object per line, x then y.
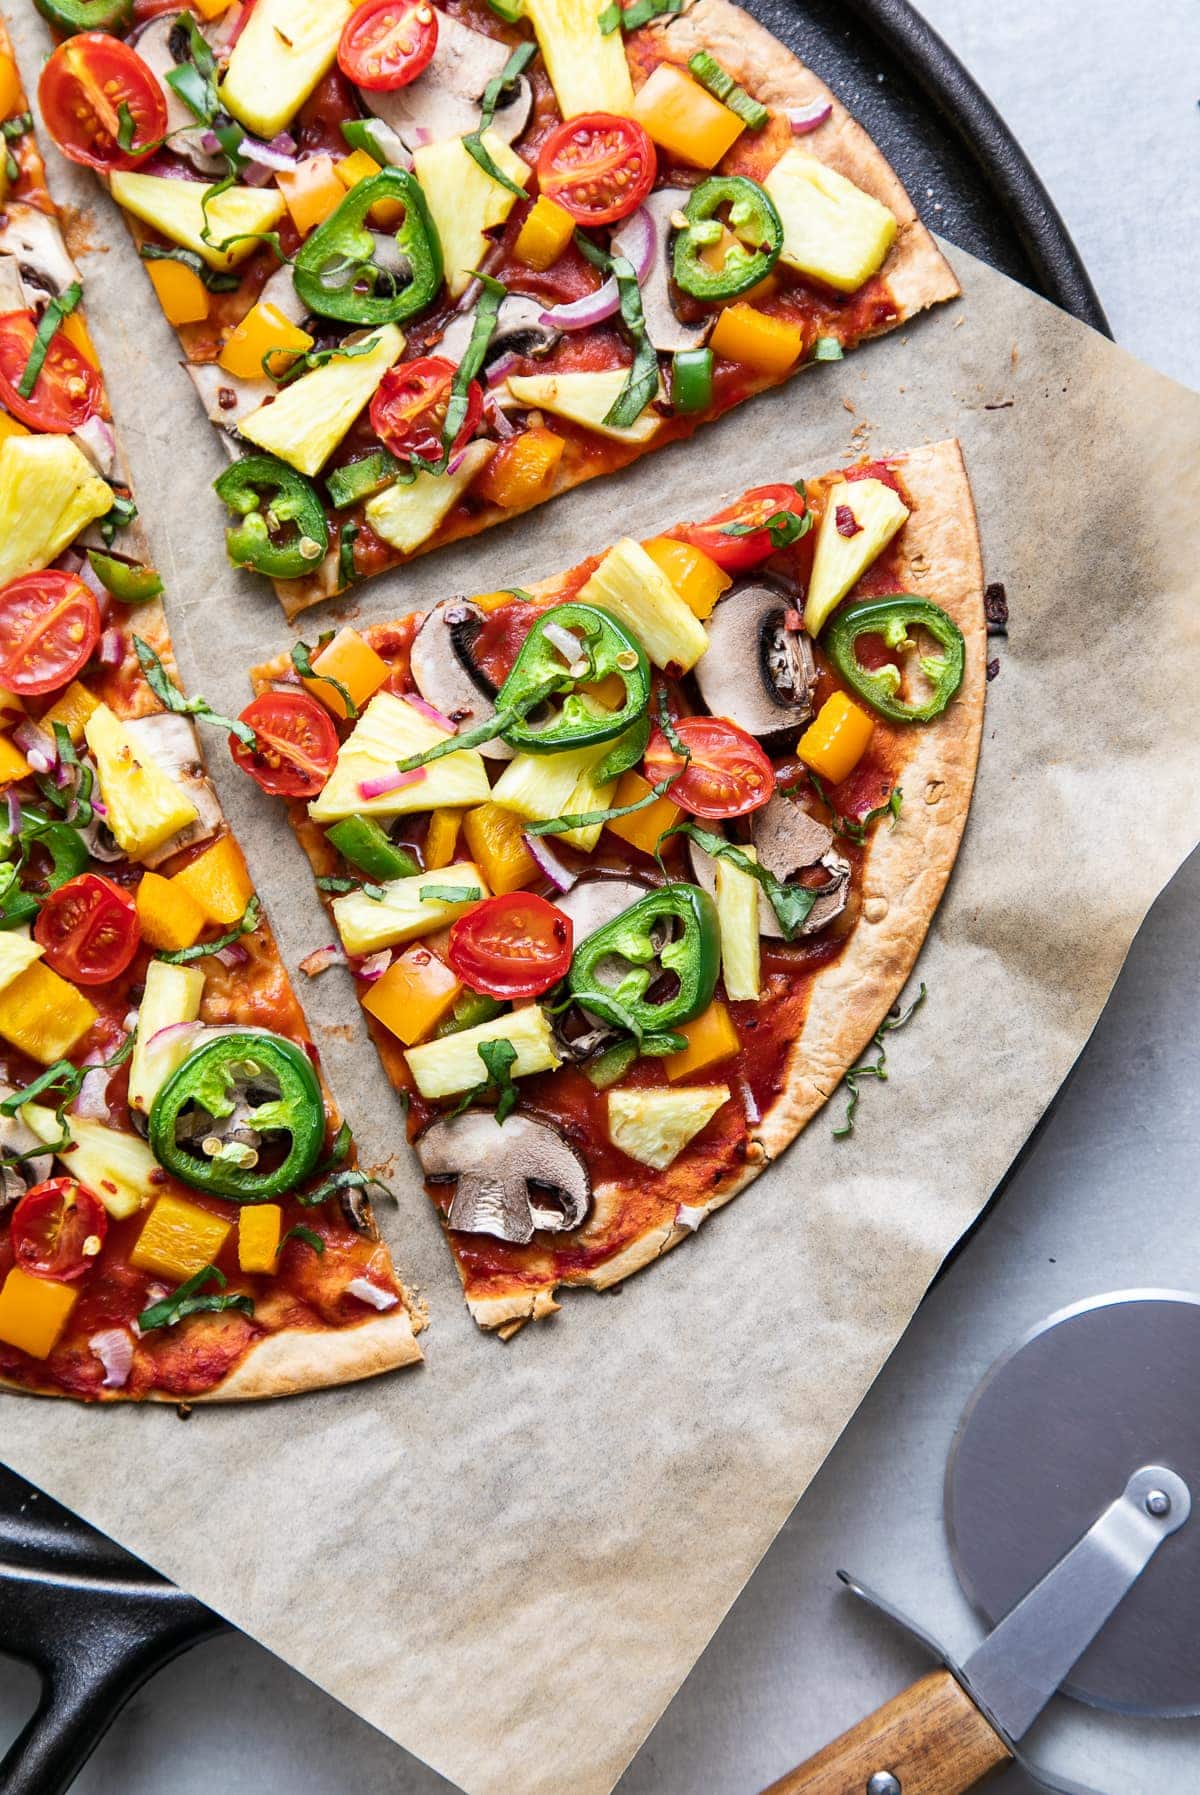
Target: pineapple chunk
{"type": "Point", "coordinates": [838, 561]}
{"type": "Point", "coordinates": [407, 516]}
{"type": "Point", "coordinates": [465, 201]}
{"type": "Point", "coordinates": [145, 806]}
{"type": "Point", "coordinates": [737, 912]}
{"type": "Point", "coordinates": [541, 786]}
{"type": "Point", "coordinates": [367, 924]}
{"type": "Point", "coordinates": [172, 996]}
{"type": "Point", "coordinates": [304, 423]}
{"type": "Point", "coordinates": [119, 1169]}
{"type": "Point", "coordinates": [284, 50]}
{"type": "Point", "coordinates": [637, 591]}
{"type": "Point", "coordinates": [832, 230]}
{"type": "Point", "coordinates": [446, 1067]}
{"type": "Point", "coordinates": [390, 730]}
{"type": "Point", "coordinates": [176, 209]}
{"type": "Point", "coordinates": [49, 491]}
{"type": "Point", "coordinates": [17, 953]}
{"type": "Point", "coordinates": [584, 398]}
{"type": "Point", "coordinates": [653, 1126]}
{"type": "Point", "coordinates": [587, 68]}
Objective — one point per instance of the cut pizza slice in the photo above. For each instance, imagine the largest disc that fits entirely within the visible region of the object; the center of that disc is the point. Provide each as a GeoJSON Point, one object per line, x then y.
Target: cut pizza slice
{"type": "Point", "coordinates": [629, 867]}
{"type": "Point", "coordinates": [428, 277]}
{"type": "Point", "coordinates": [181, 1215]}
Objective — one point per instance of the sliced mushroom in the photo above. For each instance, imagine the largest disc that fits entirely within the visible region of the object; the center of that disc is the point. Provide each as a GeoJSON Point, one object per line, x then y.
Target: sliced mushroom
{"type": "Point", "coordinates": [279, 290]}
{"type": "Point", "coordinates": [597, 900]}
{"type": "Point", "coordinates": [787, 840]}
{"type": "Point", "coordinates": [447, 677]}
{"type": "Point", "coordinates": [666, 330]}
{"type": "Point", "coordinates": [519, 331]}
{"type": "Point", "coordinates": [444, 100]}
{"type": "Point", "coordinates": [512, 1177]}
{"type": "Point", "coordinates": [226, 399]}
{"type": "Point", "coordinates": [163, 44]}
{"type": "Point", "coordinates": [12, 290]}
{"type": "Point", "coordinates": [36, 243]}
{"type": "Point", "coordinates": [757, 673]}
{"type": "Point", "coordinates": [170, 742]}
{"type": "Point", "coordinates": [18, 1176]}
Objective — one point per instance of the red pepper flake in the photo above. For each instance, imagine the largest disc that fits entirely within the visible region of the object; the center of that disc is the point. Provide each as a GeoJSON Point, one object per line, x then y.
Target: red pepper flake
{"type": "Point", "coordinates": [847, 523]}
{"type": "Point", "coordinates": [793, 621]}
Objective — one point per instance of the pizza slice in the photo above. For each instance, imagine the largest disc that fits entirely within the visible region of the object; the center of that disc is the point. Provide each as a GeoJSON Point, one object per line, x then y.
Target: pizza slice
{"type": "Point", "coordinates": [433, 265]}
{"type": "Point", "coordinates": [629, 867]}
{"type": "Point", "coordinates": [181, 1217]}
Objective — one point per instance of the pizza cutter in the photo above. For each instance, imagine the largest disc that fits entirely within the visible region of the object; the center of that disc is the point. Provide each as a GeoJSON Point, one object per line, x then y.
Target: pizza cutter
{"type": "Point", "coordinates": [1069, 1506]}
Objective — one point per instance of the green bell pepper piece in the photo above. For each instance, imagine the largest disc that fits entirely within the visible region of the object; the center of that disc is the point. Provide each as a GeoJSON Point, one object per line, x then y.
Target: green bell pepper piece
{"type": "Point", "coordinates": [335, 272]}
{"type": "Point", "coordinates": [891, 618]}
{"type": "Point", "coordinates": [17, 907]}
{"type": "Point", "coordinates": [129, 581]}
{"type": "Point", "coordinates": [470, 1009]}
{"type": "Point", "coordinates": [361, 841]}
{"type": "Point", "coordinates": [71, 16]}
{"type": "Point", "coordinates": [268, 495]}
{"type": "Point", "coordinates": [722, 86]}
{"type": "Point", "coordinates": [275, 1079]}
{"type": "Point", "coordinates": [361, 479]}
{"type": "Point", "coordinates": [749, 212]}
{"type": "Point", "coordinates": [541, 672]}
{"type": "Point", "coordinates": [692, 380]}
{"type": "Point", "coordinates": [671, 930]}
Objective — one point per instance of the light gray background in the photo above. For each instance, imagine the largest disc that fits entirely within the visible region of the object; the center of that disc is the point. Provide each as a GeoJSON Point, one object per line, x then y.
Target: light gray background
{"type": "Point", "coordinates": [1104, 99]}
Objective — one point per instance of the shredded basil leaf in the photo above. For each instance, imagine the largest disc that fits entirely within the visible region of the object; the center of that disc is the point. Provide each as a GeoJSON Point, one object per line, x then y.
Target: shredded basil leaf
{"type": "Point", "coordinates": [17, 126]}
{"type": "Point", "coordinates": [783, 527]}
{"type": "Point", "coordinates": [215, 282]}
{"type": "Point", "coordinates": [667, 725]}
{"type": "Point", "coordinates": [65, 1081]}
{"type": "Point", "coordinates": [585, 819]}
{"type": "Point", "coordinates": [483, 328]}
{"type": "Point", "coordinates": [625, 752]}
{"type": "Point", "coordinates": [449, 894]}
{"type": "Point", "coordinates": [641, 383]}
{"type": "Point", "coordinates": [347, 537]}
{"type": "Point", "coordinates": [51, 318]}
{"type": "Point", "coordinates": [474, 144]}
{"type": "Point", "coordinates": [302, 662]}
{"type": "Point", "coordinates": [855, 828]}
{"type": "Point", "coordinates": [119, 516]}
{"type": "Point", "coordinates": [185, 1301]}
{"type": "Point", "coordinates": [300, 1232]}
{"type": "Point", "coordinates": [642, 11]}
{"type": "Point", "coordinates": [352, 1179]}
{"type": "Point", "coordinates": [791, 903]}
{"type": "Point", "coordinates": [610, 19]}
{"type": "Point", "coordinates": [337, 886]}
{"type": "Point", "coordinates": [499, 1057]}
{"type": "Point", "coordinates": [876, 1068]}
{"type": "Point", "coordinates": [172, 699]}
{"type": "Point", "coordinates": [245, 925]}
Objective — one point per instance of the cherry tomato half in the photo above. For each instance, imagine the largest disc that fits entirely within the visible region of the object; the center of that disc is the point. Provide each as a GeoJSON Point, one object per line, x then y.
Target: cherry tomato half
{"type": "Point", "coordinates": [58, 1229]}
{"type": "Point", "coordinates": [49, 625]}
{"type": "Point", "coordinates": [752, 540]}
{"type": "Point", "coordinates": [89, 929]}
{"type": "Point", "coordinates": [728, 773]}
{"type": "Point", "coordinates": [91, 84]}
{"type": "Point", "coordinates": [517, 945]}
{"type": "Point", "coordinates": [408, 411]}
{"type": "Point", "coordinates": [597, 167]}
{"type": "Point", "coordinates": [386, 43]}
{"type": "Point", "coordinates": [68, 389]}
{"type": "Point", "coordinates": [297, 744]}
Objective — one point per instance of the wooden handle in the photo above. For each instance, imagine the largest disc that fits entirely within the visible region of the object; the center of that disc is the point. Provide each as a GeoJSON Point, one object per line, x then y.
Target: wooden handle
{"type": "Point", "coordinates": [932, 1739]}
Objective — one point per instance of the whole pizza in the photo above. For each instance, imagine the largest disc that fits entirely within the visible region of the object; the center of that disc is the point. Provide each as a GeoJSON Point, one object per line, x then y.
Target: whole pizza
{"type": "Point", "coordinates": [433, 264]}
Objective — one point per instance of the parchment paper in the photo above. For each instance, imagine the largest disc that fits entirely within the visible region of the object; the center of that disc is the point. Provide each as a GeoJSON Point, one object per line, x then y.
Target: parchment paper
{"type": "Point", "coordinates": [509, 1558]}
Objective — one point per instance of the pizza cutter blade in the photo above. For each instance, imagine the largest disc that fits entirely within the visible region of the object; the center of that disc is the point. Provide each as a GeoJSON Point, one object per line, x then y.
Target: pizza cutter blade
{"type": "Point", "coordinates": [1069, 1493]}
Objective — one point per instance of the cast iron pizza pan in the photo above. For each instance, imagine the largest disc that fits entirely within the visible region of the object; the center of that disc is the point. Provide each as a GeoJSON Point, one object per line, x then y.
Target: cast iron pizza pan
{"type": "Point", "coordinates": [94, 1621]}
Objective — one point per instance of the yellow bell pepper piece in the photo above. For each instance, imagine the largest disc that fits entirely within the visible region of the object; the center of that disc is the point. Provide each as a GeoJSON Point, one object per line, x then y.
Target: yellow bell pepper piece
{"type": "Point", "coordinates": [263, 332]}
{"type": "Point", "coordinates": [836, 739]}
{"type": "Point", "coordinates": [757, 340]}
{"type": "Point", "coordinates": [211, 9]}
{"type": "Point", "coordinates": [311, 191]}
{"type": "Point", "coordinates": [181, 293]}
{"type": "Point", "coordinates": [522, 469]}
{"type": "Point", "coordinates": [711, 1037]}
{"type": "Point", "coordinates": [218, 882]}
{"type": "Point", "coordinates": [259, 1228]}
{"type": "Point", "coordinates": [34, 1312]}
{"type": "Point", "coordinates": [492, 601]}
{"type": "Point", "coordinates": [544, 235]}
{"type": "Point", "coordinates": [360, 166]}
{"type": "Point", "coordinates": [9, 426]}
{"type": "Point", "coordinates": [643, 828]}
{"type": "Point", "coordinates": [72, 709]}
{"type": "Point", "coordinates": [13, 764]}
{"type": "Point", "coordinates": [11, 97]}
{"type": "Point", "coordinates": [441, 838]}
{"type": "Point", "coordinates": [684, 119]}
{"type": "Point", "coordinates": [354, 664]}
{"type": "Point", "coordinates": [413, 995]}
{"type": "Point", "coordinates": [694, 575]}
{"type": "Point", "coordinates": [178, 1238]}
{"type": "Point", "coordinates": [169, 916]}
{"type": "Point", "coordinates": [74, 328]}
{"type": "Point", "coordinates": [43, 1015]}
{"type": "Point", "coordinates": [495, 839]}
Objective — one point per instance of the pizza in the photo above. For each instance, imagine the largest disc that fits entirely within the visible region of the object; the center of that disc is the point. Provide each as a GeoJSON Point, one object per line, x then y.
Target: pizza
{"type": "Point", "coordinates": [630, 866]}
{"type": "Point", "coordinates": [431, 265]}
{"type": "Point", "coordinates": [181, 1215]}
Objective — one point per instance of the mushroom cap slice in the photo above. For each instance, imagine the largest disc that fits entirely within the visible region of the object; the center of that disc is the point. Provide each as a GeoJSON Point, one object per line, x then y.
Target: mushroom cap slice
{"type": "Point", "coordinates": [787, 840]}
{"type": "Point", "coordinates": [444, 100]}
{"type": "Point", "coordinates": [504, 1173]}
{"type": "Point", "coordinates": [756, 672]}
{"type": "Point", "coordinates": [163, 44]}
{"type": "Point", "coordinates": [18, 1176]}
{"type": "Point", "coordinates": [596, 900]}
{"type": "Point", "coordinates": [519, 331]}
{"type": "Point", "coordinates": [665, 328]}
{"type": "Point", "coordinates": [36, 242]}
{"type": "Point", "coordinates": [445, 674]}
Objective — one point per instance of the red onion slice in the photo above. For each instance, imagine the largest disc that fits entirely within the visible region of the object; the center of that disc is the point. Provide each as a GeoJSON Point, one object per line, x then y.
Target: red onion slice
{"type": "Point", "coordinates": [36, 746]}
{"type": "Point", "coordinates": [430, 712]}
{"type": "Point", "coordinates": [560, 876]}
{"type": "Point", "coordinates": [92, 1100]}
{"type": "Point", "coordinates": [568, 645]}
{"type": "Point", "coordinates": [374, 966]}
{"type": "Point", "coordinates": [749, 1102]}
{"type": "Point", "coordinates": [499, 370]}
{"type": "Point", "coordinates": [593, 308]}
{"type": "Point", "coordinates": [497, 417]}
{"type": "Point", "coordinates": [320, 960]}
{"type": "Point", "coordinates": [370, 1293]}
{"type": "Point", "coordinates": [804, 119]}
{"type": "Point", "coordinates": [111, 651]}
{"type": "Point", "coordinates": [389, 782]}
{"type": "Point", "coordinates": [114, 1349]}
{"type": "Point", "coordinates": [638, 236]}
{"type": "Point", "coordinates": [232, 956]}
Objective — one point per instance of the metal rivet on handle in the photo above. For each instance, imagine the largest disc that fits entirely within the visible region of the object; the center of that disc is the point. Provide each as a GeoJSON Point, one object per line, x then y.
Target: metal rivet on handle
{"type": "Point", "coordinates": [883, 1783]}
{"type": "Point", "coordinates": [1158, 1504]}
